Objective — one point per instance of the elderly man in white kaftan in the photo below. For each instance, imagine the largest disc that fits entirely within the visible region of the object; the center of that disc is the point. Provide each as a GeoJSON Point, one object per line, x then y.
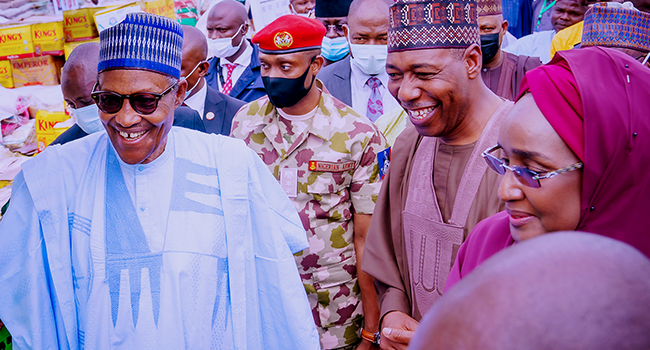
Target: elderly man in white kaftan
{"type": "Point", "coordinates": [147, 236]}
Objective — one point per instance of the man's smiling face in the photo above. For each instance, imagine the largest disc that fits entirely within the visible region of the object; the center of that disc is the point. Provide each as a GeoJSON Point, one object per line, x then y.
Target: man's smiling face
{"type": "Point", "coordinates": [137, 137]}
{"type": "Point", "coordinates": [432, 85]}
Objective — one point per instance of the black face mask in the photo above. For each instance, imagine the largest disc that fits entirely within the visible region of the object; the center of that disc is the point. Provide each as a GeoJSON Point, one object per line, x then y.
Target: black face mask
{"type": "Point", "coordinates": [489, 47]}
{"type": "Point", "coordinates": [286, 92]}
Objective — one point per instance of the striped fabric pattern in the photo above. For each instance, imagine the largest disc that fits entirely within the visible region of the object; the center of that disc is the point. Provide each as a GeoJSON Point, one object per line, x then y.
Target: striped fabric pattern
{"type": "Point", "coordinates": [142, 41]}
{"type": "Point", "coordinates": [489, 7]}
{"type": "Point", "coordinates": [616, 27]}
{"type": "Point", "coordinates": [416, 24]}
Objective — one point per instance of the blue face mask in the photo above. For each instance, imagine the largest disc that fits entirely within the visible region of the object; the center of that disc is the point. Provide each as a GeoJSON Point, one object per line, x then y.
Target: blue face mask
{"type": "Point", "coordinates": [87, 118]}
{"type": "Point", "coordinates": [334, 49]}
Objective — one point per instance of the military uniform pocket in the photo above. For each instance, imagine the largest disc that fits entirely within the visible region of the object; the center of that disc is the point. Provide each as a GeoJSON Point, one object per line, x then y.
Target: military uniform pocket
{"type": "Point", "coordinates": [339, 300]}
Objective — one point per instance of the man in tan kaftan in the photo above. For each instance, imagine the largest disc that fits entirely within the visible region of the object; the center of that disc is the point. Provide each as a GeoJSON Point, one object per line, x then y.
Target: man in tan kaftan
{"type": "Point", "coordinates": [437, 187]}
{"type": "Point", "coordinates": [502, 72]}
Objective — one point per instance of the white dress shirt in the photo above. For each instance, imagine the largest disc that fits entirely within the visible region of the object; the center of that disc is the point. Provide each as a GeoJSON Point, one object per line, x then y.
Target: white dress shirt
{"type": "Point", "coordinates": [361, 91]}
{"type": "Point", "coordinates": [197, 101]}
{"type": "Point", "coordinates": [534, 45]}
{"type": "Point", "coordinates": [241, 63]}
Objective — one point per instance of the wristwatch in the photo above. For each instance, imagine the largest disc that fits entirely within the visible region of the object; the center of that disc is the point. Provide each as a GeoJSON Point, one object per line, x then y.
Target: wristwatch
{"type": "Point", "coordinates": [374, 338]}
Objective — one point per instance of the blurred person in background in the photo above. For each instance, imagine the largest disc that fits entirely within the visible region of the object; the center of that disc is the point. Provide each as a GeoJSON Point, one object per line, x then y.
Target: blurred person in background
{"type": "Point", "coordinates": [334, 15]}
{"type": "Point", "coordinates": [502, 72]}
{"type": "Point", "coordinates": [215, 108]}
{"type": "Point", "coordinates": [565, 14]}
{"type": "Point", "coordinates": [620, 27]}
{"type": "Point", "coordinates": [561, 291]}
{"type": "Point", "coordinates": [302, 7]}
{"type": "Point", "coordinates": [360, 80]}
{"type": "Point", "coordinates": [235, 68]}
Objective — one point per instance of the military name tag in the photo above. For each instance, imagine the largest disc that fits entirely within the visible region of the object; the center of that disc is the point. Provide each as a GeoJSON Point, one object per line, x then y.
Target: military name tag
{"type": "Point", "coordinates": [289, 181]}
{"type": "Point", "coordinates": [317, 165]}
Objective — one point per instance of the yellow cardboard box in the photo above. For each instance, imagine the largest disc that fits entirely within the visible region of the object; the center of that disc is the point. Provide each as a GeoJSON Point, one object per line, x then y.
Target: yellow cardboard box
{"type": "Point", "coordinates": [46, 130]}
{"type": "Point", "coordinates": [114, 15]}
{"type": "Point", "coordinates": [43, 70]}
{"type": "Point", "coordinates": [48, 38]}
{"type": "Point", "coordinates": [161, 8]}
{"type": "Point", "coordinates": [79, 25]}
{"type": "Point", "coordinates": [68, 47]}
{"type": "Point", "coordinates": [16, 42]}
{"type": "Point", "coordinates": [6, 78]}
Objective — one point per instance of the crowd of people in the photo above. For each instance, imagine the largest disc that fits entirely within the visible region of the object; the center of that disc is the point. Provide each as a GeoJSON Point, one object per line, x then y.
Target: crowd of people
{"type": "Point", "coordinates": [356, 175]}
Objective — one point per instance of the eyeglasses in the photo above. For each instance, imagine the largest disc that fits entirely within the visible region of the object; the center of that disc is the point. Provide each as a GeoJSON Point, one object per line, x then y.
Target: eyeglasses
{"type": "Point", "coordinates": [142, 102]}
{"type": "Point", "coordinates": [531, 177]}
{"type": "Point", "coordinates": [337, 28]}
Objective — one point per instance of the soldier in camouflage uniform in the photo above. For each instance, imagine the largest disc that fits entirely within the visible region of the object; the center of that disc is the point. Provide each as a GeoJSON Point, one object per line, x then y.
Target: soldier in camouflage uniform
{"type": "Point", "coordinates": [325, 156]}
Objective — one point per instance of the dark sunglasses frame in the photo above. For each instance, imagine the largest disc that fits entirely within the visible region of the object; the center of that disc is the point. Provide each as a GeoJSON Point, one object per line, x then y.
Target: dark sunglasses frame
{"type": "Point", "coordinates": [530, 177]}
{"type": "Point", "coordinates": [134, 100]}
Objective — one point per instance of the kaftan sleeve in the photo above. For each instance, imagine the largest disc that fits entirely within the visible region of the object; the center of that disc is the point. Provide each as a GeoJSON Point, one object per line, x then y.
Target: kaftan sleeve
{"type": "Point", "coordinates": [384, 257]}
{"type": "Point", "coordinates": [286, 214]}
{"type": "Point", "coordinates": [26, 300]}
{"type": "Point", "coordinates": [285, 315]}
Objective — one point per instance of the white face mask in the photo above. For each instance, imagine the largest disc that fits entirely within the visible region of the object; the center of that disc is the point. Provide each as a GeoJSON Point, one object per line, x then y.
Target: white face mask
{"type": "Point", "coordinates": [222, 47]}
{"type": "Point", "coordinates": [371, 59]}
{"type": "Point", "coordinates": [87, 118]}
{"type": "Point", "coordinates": [189, 91]}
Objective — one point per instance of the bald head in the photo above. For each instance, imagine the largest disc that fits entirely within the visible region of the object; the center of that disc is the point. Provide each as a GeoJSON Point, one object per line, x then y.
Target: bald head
{"type": "Point", "coordinates": [79, 75]}
{"type": "Point", "coordinates": [228, 19]}
{"type": "Point", "coordinates": [368, 22]}
{"type": "Point", "coordinates": [195, 46]}
{"type": "Point", "coordinates": [359, 7]}
{"type": "Point", "coordinates": [229, 9]}
{"type": "Point", "coordinates": [558, 291]}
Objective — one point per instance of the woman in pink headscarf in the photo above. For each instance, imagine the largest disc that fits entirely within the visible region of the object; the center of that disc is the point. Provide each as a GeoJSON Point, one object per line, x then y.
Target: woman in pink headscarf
{"type": "Point", "coordinates": [576, 156]}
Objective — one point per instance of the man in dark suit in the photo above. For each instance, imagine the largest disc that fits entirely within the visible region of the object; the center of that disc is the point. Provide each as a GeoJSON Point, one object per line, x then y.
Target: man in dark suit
{"type": "Point", "coordinates": [235, 68]}
{"type": "Point", "coordinates": [216, 108]}
{"type": "Point", "coordinates": [360, 80]}
{"type": "Point", "coordinates": [78, 78]}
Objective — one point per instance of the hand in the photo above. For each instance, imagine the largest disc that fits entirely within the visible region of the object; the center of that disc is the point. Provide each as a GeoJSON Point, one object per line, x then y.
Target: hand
{"type": "Point", "coordinates": [397, 331]}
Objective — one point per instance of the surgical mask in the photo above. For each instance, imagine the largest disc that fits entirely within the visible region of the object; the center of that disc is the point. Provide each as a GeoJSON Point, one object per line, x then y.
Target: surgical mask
{"type": "Point", "coordinates": [371, 59]}
{"type": "Point", "coordinates": [286, 92]}
{"type": "Point", "coordinates": [222, 47]}
{"type": "Point", "coordinates": [489, 47]}
{"type": "Point", "coordinates": [87, 118]}
{"type": "Point", "coordinates": [334, 49]}
{"type": "Point", "coordinates": [189, 91]}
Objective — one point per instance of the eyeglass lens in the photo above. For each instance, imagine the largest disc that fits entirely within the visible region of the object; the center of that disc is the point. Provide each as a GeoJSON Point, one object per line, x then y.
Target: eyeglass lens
{"type": "Point", "coordinates": [142, 103]}
{"type": "Point", "coordinates": [497, 165]}
{"type": "Point", "coordinates": [338, 28]}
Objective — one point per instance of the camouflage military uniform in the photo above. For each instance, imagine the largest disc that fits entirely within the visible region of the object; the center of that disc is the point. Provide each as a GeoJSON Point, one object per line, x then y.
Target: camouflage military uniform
{"type": "Point", "coordinates": [335, 157]}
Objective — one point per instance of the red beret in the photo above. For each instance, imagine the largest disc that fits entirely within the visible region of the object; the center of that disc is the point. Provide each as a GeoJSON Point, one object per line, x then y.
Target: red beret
{"type": "Point", "coordinates": [290, 33]}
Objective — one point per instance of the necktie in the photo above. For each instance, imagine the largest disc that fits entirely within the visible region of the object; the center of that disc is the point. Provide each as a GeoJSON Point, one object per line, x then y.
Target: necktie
{"type": "Point", "coordinates": [227, 86]}
{"type": "Point", "coordinates": [375, 106]}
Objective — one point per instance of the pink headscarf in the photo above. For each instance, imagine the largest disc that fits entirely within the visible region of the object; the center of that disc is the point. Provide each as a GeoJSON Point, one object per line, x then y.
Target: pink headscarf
{"type": "Point", "coordinates": [608, 128]}
{"type": "Point", "coordinates": [555, 91]}
{"type": "Point", "coordinates": [598, 101]}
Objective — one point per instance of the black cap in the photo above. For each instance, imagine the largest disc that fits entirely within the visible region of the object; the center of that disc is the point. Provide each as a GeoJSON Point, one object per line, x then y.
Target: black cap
{"type": "Point", "coordinates": [332, 8]}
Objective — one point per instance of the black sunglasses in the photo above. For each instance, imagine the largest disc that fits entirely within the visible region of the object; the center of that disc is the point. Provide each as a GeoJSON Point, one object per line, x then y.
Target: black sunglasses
{"type": "Point", "coordinates": [142, 102]}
